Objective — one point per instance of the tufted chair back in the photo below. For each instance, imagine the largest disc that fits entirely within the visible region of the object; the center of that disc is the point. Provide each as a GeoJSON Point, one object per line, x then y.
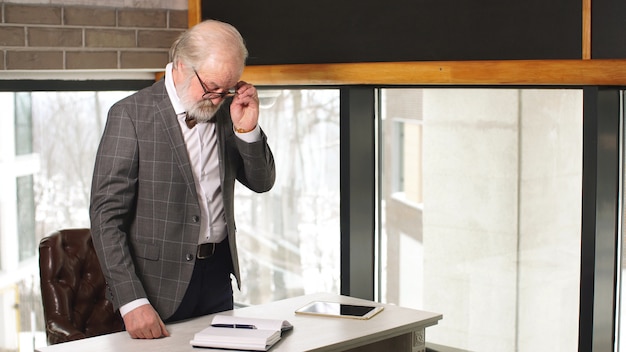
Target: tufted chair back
{"type": "Point", "coordinates": [73, 288]}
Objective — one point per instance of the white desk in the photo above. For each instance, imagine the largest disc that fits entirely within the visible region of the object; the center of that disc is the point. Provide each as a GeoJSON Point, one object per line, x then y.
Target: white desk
{"type": "Point", "coordinates": [393, 329]}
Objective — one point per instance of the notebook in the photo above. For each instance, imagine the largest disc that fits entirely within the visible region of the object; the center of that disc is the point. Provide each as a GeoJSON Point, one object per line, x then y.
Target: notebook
{"type": "Point", "coordinates": [250, 334]}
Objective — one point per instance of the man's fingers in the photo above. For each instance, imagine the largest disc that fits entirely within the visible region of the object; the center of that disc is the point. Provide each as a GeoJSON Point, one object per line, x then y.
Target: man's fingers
{"type": "Point", "coordinates": [164, 331]}
{"type": "Point", "coordinates": [144, 322]}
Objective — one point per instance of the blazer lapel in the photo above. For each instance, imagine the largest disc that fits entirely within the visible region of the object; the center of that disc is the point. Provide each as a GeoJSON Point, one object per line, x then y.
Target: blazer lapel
{"type": "Point", "coordinates": [171, 128]}
{"type": "Point", "coordinates": [220, 123]}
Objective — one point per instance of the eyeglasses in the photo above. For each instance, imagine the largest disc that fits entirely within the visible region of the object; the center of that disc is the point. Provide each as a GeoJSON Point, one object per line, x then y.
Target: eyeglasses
{"type": "Point", "coordinates": [231, 92]}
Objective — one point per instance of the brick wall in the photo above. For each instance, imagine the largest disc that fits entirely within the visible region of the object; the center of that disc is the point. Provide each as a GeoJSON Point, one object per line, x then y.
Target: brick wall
{"type": "Point", "coordinates": [76, 37]}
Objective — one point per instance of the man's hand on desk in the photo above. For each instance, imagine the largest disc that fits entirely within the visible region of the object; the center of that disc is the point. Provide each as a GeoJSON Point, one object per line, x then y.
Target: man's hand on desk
{"type": "Point", "coordinates": [144, 322]}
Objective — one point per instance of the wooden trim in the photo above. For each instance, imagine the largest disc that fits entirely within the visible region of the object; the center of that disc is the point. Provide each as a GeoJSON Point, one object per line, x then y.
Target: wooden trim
{"type": "Point", "coordinates": [586, 30]}
{"type": "Point", "coordinates": [194, 12]}
{"type": "Point", "coordinates": [509, 72]}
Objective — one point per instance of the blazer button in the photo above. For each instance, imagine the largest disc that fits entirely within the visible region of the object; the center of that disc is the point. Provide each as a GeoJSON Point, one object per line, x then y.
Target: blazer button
{"type": "Point", "coordinates": [189, 257]}
{"type": "Point", "coordinates": [195, 218]}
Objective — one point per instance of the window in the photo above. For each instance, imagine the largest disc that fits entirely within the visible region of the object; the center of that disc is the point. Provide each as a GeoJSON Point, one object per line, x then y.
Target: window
{"type": "Point", "coordinates": [491, 235]}
{"type": "Point", "coordinates": [23, 124]}
{"type": "Point", "coordinates": [67, 129]}
{"type": "Point", "coordinates": [406, 185]}
{"type": "Point", "coordinates": [480, 204]}
{"type": "Point", "coordinates": [26, 217]}
{"type": "Point", "coordinates": [288, 237]}
{"type": "Point", "coordinates": [24, 187]}
{"type": "Point", "coordinates": [47, 158]}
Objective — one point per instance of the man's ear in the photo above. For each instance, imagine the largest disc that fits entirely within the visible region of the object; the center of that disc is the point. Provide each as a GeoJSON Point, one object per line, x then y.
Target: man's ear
{"type": "Point", "coordinates": [177, 72]}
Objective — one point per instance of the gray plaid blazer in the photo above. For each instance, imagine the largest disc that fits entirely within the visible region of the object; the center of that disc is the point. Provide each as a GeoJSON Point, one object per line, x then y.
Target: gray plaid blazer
{"type": "Point", "coordinates": [145, 216]}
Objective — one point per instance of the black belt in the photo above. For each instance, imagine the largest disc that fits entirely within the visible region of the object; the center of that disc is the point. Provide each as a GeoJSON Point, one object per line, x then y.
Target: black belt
{"type": "Point", "coordinates": [206, 250]}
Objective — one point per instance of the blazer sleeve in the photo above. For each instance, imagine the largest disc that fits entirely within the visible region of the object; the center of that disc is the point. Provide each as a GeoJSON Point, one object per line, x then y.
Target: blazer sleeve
{"type": "Point", "coordinates": [258, 171]}
{"type": "Point", "coordinates": [113, 198]}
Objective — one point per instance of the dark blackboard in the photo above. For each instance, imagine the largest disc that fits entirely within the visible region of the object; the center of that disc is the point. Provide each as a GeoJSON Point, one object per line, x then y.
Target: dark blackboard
{"type": "Point", "coordinates": [327, 31]}
{"type": "Point", "coordinates": [608, 32]}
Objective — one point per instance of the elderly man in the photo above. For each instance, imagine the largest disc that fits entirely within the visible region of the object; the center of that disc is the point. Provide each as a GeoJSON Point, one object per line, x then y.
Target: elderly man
{"type": "Point", "coordinates": [162, 217]}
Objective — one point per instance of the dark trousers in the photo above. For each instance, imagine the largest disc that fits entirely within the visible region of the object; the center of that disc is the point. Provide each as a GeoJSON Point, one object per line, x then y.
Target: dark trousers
{"type": "Point", "coordinates": [210, 289]}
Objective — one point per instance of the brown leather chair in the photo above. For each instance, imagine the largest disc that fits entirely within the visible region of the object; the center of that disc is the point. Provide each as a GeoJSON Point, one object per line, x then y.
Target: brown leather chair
{"type": "Point", "coordinates": [73, 288]}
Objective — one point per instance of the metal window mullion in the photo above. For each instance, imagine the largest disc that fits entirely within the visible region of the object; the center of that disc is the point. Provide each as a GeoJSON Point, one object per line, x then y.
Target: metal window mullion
{"type": "Point", "coordinates": [600, 204]}
{"type": "Point", "coordinates": [358, 190]}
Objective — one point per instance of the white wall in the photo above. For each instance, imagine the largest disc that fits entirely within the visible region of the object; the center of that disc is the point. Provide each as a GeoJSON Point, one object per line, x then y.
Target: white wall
{"type": "Point", "coordinates": [502, 186]}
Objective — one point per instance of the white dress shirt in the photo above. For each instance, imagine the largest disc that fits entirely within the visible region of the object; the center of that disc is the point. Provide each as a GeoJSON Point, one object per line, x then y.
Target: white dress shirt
{"type": "Point", "coordinates": [201, 142]}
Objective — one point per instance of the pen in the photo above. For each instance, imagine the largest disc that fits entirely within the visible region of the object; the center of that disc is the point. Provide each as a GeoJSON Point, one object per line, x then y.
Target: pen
{"type": "Point", "coordinates": [234, 326]}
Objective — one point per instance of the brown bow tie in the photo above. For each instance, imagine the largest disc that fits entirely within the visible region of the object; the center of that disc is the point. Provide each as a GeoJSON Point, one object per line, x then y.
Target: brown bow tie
{"type": "Point", "coordinates": [190, 121]}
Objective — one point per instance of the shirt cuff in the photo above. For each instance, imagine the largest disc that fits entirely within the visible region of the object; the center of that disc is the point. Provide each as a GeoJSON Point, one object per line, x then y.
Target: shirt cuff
{"type": "Point", "coordinates": [132, 305]}
{"type": "Point", "coordinates": [252, 136]}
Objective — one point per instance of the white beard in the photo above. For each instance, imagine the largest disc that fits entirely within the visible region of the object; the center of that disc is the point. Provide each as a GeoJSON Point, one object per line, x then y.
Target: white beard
{"type": "Point", "coordinates": [203, 110]}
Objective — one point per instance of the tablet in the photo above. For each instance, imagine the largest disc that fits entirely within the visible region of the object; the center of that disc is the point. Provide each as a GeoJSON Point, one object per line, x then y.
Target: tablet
{"type": "Point", "coordinates": [341, 310]}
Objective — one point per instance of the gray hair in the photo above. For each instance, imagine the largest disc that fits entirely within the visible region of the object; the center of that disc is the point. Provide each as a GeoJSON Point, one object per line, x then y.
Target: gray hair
{"type": "Point", "coordinates": [208, 38]}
